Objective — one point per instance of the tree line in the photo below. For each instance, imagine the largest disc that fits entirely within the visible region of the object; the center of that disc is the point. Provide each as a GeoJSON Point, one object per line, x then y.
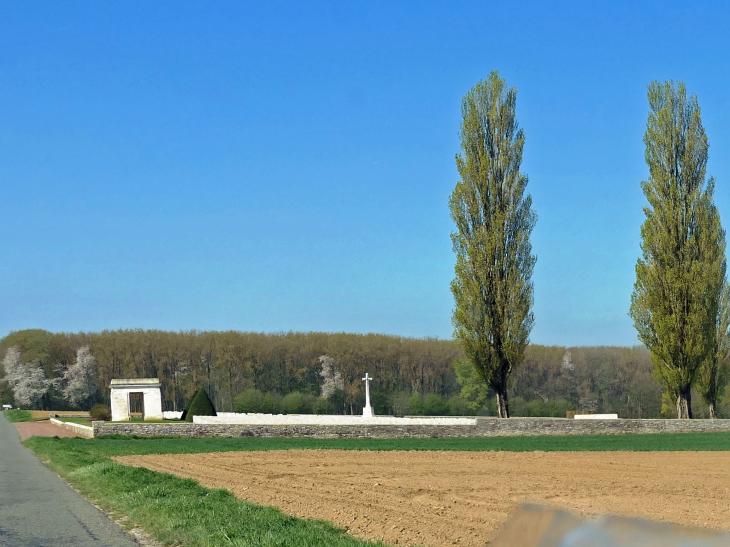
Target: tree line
{"type": "Point", "coordinates": [321, 372]}
{"type": "Point", "coordinates": [228, 363]}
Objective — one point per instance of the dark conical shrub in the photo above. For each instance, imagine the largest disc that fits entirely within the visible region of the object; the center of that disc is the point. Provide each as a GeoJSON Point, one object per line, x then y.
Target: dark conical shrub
{"type": "Point", "coordinates": [200, 405]}
{"type": "Point", "coordinates": [187, 407]}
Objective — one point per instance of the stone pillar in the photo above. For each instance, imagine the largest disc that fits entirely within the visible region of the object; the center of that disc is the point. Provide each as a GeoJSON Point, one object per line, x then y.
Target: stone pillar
{"type": "Point", "coordinates": [120, 405]}
{"type": "Point", "coordinates": [152, 404]}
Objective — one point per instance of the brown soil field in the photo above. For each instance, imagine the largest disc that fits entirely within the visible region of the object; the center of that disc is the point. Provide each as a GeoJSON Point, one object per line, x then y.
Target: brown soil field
{"type": "Point", "coordinates": [461, 498]}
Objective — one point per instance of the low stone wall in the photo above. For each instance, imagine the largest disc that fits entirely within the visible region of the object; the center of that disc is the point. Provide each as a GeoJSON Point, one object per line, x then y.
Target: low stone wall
{"type": "Point", "coordinates": [494, 427]}
{"type": "Point", "coordinates": [83, 430]}
{"type": "Point", "coordinates": [302, 430]}
{"type": "Point", "coordinates": [484, 427]}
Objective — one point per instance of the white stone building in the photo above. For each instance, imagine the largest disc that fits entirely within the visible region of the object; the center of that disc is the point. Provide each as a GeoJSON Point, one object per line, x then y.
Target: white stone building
{"type": "Point", "coordinates": [122, 389]}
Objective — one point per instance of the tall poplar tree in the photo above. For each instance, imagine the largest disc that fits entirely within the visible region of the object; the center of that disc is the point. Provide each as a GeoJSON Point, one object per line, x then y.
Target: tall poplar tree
{"type": "Point", "coordinates": [714, 373]}
{"type": "Point", "coordinates": [680, 277]}
{"type": "Point", "coordinates": [492, 288]}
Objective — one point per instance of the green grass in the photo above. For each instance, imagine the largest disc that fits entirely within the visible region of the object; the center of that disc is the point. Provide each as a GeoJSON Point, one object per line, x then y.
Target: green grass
{"type": "Point", "coordinates": [179, 511]}
{"type": "Point", "coordinates": [120, 445]}
{"type": "Point", "coordinates": [17, 415]}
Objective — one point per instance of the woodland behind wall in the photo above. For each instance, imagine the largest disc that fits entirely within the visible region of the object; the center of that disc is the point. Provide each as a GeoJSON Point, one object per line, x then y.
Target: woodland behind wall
{"type": "Point", "coordinates": [552, 378]}
{"type": "Point", "coordinates": [226, 363]}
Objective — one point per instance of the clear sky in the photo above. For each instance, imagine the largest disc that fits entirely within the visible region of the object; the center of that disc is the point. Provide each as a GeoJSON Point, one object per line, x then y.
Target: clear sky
{"type": "Point", "coordinates": [273, 166]}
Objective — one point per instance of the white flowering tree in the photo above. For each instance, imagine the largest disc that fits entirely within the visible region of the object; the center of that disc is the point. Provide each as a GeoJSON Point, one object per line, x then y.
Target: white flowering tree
{"type": "Point", "coordinates": [79, 379]}
{"type": "Point", "coordinates": [331, 377]}
{"type": "Point", "coordinates": [32, 386]}
{"type": "Point", "coordinates": [27, 380]}
{"type": "Point", "coordinates": [11, 362]}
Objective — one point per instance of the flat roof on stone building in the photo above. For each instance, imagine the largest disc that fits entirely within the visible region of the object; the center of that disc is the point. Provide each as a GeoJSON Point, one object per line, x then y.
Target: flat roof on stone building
{"type": "Point", "coordinates": [135, 382]}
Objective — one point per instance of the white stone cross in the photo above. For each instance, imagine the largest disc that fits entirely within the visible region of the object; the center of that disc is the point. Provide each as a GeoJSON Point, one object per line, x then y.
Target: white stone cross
{"type": "Point", "coordinates": [367, 412]}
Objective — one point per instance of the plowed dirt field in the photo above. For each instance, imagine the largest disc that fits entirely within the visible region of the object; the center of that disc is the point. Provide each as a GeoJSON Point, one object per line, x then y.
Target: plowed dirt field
{"type": "Point", "coordinates": [461, 498]}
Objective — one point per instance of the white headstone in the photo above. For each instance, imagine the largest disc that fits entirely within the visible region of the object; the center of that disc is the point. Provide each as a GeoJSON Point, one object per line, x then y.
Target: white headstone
{"type": "Point", "coordinates": [596, 416]}
{"type": "Point", "coordinates": [367, 412]}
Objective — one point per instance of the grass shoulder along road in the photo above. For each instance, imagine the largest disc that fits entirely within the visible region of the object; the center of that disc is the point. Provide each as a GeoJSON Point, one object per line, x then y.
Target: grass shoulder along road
{"type": "Point", "coordinates": [179, 511]}
{"type": "Point", "coordinates": [17, 415]}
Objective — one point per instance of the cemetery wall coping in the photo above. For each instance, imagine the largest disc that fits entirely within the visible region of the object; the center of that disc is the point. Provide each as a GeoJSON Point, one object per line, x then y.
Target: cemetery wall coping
{"type": "Point", "coordinates": [83, 430]}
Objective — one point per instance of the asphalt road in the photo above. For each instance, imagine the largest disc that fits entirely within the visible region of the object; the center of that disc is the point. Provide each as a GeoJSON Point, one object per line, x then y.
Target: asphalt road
{"type": "Point", "coordinates": [38, 509]}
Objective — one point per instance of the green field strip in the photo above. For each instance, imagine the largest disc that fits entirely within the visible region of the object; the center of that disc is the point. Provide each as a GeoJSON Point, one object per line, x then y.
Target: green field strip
{"type": "Point", "coordinates": [121, 445]}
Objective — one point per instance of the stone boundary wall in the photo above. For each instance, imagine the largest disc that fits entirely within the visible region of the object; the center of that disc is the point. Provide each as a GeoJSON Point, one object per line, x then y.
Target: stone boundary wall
{"type": "Point", "coordinates": [83, 430]}
{"type": "Point", "coordinates": [494, 427]}
{"type": "Point", "coordinates": [485, 427]}
{"type": "Point", "coordinates": [301, 430]}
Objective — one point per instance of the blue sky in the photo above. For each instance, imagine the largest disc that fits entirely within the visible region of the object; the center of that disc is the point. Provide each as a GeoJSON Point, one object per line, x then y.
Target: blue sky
{"type": "Point", "coordinates": [278, 166]}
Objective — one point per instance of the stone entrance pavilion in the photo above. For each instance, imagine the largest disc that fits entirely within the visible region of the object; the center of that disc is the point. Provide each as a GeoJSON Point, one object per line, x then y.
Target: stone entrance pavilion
{"type": "Point", "coordinates": [122, 389]}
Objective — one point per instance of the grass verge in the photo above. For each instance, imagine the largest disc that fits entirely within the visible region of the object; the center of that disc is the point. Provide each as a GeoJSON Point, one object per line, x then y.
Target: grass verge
{"type": "Point", "coordinates": [121, 446]}
{"type": "Point", "coordinates": [17, 415]}
{"type": "Point", "coordinates": [179, 511]}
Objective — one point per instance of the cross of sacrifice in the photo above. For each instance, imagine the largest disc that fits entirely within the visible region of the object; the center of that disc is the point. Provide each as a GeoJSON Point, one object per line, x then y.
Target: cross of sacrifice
{"type": "Point", "coordinates": [367, 412]}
